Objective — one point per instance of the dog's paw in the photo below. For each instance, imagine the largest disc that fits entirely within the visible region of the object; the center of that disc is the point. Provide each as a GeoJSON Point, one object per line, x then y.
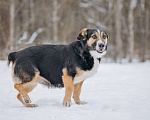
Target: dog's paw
{"type": "Point", "coordinates": [81, 102]}
{"type": "Point", "coordinates": [27, 101]}
{"type": "Point", "coordinates": [31, 105]}
{"type": "Point", "coordinates": [67, 103]}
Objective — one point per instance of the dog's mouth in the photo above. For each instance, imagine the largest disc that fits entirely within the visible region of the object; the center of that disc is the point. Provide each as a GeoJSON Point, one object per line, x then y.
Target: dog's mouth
{"type": "Point", "coordinates": [100, 51]}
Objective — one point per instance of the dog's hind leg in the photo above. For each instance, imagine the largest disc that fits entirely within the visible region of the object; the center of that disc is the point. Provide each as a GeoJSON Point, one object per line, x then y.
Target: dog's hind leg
{"type": "Point", "coordinates": [24, 89]}
{"type": "Point", "coordinates": [19, 97]}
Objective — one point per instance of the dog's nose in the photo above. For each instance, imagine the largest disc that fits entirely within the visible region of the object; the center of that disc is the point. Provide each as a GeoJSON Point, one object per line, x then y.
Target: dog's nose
{"type": "Point", "coordinates": [101, 45]}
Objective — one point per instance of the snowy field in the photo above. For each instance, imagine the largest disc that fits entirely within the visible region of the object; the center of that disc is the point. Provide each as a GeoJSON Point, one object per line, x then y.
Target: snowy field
{"type": "Point", "coordinates": [116, 92]}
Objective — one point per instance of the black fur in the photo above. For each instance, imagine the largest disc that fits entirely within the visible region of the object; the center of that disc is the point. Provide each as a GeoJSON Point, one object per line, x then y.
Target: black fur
{"type": "Point", "coordinates": [50, 60]}
{"type": "Point", "coordinates": [11, 57]}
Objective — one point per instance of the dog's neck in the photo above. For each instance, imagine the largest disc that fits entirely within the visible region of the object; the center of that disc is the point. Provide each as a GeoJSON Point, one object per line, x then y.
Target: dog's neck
{"type": "Point", "coordinates": [84, 46]}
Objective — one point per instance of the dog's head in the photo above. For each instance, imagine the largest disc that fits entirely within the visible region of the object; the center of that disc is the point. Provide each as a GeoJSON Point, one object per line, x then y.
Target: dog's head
{"type": "Point", "coordinates": [95, 40]}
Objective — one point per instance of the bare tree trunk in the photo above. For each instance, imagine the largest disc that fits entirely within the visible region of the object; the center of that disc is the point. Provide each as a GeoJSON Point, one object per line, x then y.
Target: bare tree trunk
{"type": "Point", "coordinates": [0, 38]}
{"type": "Point", "coordinates": [12, 17]}
{"type": "Point", "coordinates": [48, 20]}
{"type": "Point", "coordinates": [32, 15]}
{"type": "Point", "coordinates": [118, 31]}
{"type": "Point", "coordinates": [147, 20]}
{"type": "Point", "coordinates": [55, 21]}
{"type": "Point", "coordinates": [131, 30]}
{"type": "Point", "coordinates": [111, 11]}
{"type": "Point", "coordinates": [25, 17]}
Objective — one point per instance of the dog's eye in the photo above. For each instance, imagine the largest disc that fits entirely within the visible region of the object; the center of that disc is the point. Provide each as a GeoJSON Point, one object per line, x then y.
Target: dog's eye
{"type": "Point", "coordinates": [94, 36]}
{"type": "Point", "coordinates": [104, 36]}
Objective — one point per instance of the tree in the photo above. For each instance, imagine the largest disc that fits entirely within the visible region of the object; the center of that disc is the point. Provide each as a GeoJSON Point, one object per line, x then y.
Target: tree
{"type": "Point", "coordinates": [12, 18]}
{"type": "Point", "coordinates": [55, 21]}
{"type": "Point", "coordinates": [147, 24]}
{"type": "Point", "coordinates": [131, 29]}
{"type": "Point", "coordinates": [25, 23]}
{"type": "Point", "coordinates": [118, 31]}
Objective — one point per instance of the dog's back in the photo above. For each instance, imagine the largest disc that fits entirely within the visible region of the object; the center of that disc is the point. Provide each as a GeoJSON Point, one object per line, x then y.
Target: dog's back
{"type": "Point", "coordinates": [45, 59]}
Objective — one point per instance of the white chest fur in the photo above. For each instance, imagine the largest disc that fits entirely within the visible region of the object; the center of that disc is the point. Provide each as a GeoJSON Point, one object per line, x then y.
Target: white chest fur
{"type": "Point", "coordinates": [87, 74]}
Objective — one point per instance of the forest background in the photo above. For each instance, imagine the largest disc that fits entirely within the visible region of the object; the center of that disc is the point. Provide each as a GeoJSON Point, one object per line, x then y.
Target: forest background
{"type": "Point", "coordinates": [26, 23]}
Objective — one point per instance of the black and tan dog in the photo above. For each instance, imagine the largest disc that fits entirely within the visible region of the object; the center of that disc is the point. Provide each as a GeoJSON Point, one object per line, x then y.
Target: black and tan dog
{"type": "Point", "coordinates": [58, 65]}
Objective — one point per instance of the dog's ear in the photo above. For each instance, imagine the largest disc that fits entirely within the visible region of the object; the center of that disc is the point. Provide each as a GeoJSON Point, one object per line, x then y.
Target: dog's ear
{"type": "Point", "coordinates": [82, 35]}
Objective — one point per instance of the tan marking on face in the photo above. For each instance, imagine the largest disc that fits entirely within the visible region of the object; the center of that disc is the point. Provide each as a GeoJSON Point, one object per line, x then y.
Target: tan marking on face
{"type": "Point", "coordinates": [91, 40]}
{"type": "Point", "coordinates": [101, 35]}
{"type": "Point", "coordinates": [68, 83]}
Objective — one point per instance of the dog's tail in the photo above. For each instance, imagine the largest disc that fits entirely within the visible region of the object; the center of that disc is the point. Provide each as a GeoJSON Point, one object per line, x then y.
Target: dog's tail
{"type": "Point", "coordinates": [11, 58]}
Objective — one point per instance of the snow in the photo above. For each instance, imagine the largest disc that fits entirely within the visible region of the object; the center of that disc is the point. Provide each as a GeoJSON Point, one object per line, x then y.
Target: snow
{"type": "Point", "coordinates": [85, 5]}
{"type": "Point", "coordinates": [116, 92]}
{"type": "Point", "coordinates": [101, 9]}
{"type": "Point", "coordinates": [24, 37]}
{"type": "Point", "coordinates": [34, 35]}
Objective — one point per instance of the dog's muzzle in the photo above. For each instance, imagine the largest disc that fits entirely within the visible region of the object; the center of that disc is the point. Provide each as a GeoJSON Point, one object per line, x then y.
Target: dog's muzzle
{"type": "Point", "coordinates": [101, 48]}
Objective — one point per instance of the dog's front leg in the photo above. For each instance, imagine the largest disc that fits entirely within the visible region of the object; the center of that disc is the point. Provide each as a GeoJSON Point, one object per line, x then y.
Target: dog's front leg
{"type": "Point", "coordinates": [68, 83]}
{"type": "Point", "coordinates": [76, 93]}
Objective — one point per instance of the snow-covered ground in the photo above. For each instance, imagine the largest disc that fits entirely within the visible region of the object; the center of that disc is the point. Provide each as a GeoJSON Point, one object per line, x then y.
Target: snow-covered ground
{"type": "Point", "coordinates": [116, 92]}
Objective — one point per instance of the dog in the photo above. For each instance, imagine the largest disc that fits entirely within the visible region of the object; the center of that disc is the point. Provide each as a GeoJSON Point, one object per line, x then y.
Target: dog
{"type": "Point", "coordinates": [58, 65]}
